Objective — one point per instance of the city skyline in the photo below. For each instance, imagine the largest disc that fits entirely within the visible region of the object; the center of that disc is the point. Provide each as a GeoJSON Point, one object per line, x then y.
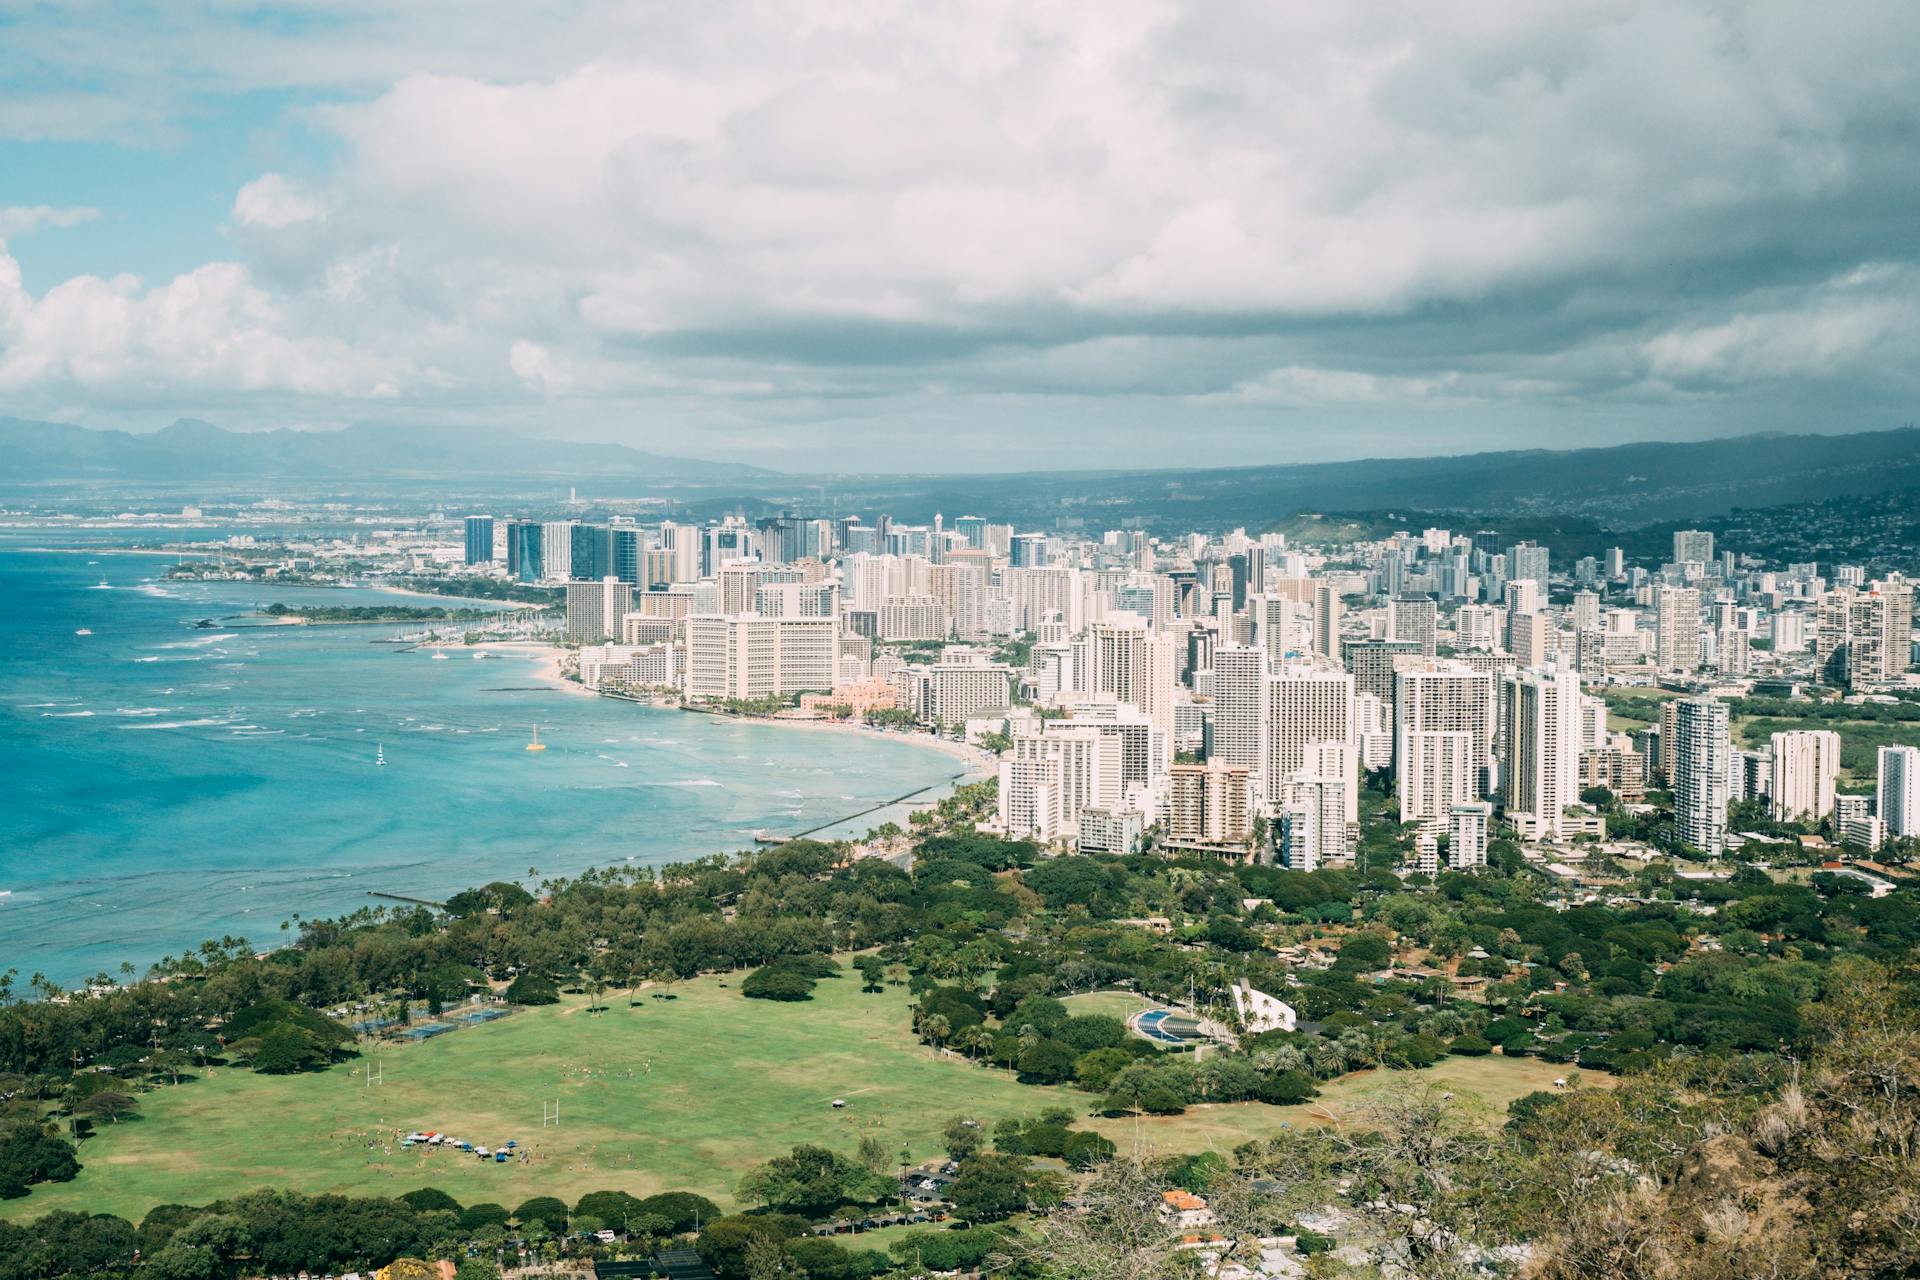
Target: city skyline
{"type": "Point", "coordinates": [1159, 235]}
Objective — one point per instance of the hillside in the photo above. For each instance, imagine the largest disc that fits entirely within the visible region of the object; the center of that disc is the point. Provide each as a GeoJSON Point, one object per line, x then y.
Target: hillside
{"type": "Point", "coordinates": [192, 451]}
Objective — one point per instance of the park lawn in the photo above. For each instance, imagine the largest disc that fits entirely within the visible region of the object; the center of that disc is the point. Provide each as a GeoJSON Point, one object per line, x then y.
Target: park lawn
{"type": "Point", "coordinates": [1634, 707]}
{"type": "Point", "coordinates": [1115, 1004]}
{"type": "Point", "coordinates": [1486, 1084]}
{"type": "Point", "coordinates": [681, 1094]}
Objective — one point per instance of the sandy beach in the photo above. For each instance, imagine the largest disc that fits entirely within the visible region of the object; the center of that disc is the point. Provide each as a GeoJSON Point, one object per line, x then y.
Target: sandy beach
{"type": "Point", "coordinates": [547, 667]}
{"type": "Point", "coordinates": [979, 763]}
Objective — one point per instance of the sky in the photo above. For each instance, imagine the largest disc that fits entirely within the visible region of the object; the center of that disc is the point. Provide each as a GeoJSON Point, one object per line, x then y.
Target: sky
{"type": "Point", "coordinates": [868, 235]}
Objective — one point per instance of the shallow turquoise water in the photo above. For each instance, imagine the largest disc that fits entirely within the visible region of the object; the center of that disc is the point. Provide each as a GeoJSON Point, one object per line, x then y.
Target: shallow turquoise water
{"type": "Point", "coordinates": [164, 784]}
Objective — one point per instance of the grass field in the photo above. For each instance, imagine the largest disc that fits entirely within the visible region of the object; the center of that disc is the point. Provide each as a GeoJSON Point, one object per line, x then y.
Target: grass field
{"type": "Point", "coordinates": [1115, 1004]}
{"type": "Point", "coordinates": [672, 1095]}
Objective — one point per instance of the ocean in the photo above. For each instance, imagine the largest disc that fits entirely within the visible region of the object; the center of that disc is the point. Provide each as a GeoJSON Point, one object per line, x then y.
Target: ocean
{"type": "Point", "coordinates": [166, 783]}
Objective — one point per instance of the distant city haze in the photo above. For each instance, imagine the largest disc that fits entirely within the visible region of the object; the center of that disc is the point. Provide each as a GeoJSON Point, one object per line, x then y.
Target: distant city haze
{"type": "Point", "coordinates": [1001, 237]}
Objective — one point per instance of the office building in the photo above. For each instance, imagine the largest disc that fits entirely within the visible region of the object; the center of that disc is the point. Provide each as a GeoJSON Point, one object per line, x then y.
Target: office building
{"type": "Point", "coordinates": [526, 561]}
{"type": "Point", "coordinates": [479, 532]}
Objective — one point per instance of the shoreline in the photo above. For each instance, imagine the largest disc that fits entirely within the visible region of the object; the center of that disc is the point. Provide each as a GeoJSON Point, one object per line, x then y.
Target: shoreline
{"type": "Point", "coordinates": [979, 764]}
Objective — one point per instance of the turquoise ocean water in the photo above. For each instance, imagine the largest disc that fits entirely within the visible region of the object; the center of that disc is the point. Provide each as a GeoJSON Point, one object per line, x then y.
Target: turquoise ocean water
{"type": "Point", "coordinates": [162, 784]}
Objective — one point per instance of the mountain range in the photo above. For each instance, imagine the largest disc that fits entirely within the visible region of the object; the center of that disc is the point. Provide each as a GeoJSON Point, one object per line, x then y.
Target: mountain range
{"type": "Point", "coordinates": [189, 451]}
{"type": "Point", "coordinates": [1619, 486]}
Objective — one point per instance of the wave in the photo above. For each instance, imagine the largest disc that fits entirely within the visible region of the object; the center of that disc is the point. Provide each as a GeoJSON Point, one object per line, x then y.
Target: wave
{"type": "Point", "coordinates": [202, 642]}
{"type": "Point", "coordinates": [207, 723]}
{"type": "Point", "coordinates": [153, 657]}
{"type": "Point", "coordinates": [65, 715]}
{"type": "Point", "coordinates": [140, 711]}
{"type": "Point", "coordinates": [694, 782]}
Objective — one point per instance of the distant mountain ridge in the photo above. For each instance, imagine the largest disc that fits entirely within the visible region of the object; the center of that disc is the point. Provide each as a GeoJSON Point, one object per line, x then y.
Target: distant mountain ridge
{"type": "Point", "coordinates": [191, 450]}
{"type": "Point", "coordinates": [1617, 486]}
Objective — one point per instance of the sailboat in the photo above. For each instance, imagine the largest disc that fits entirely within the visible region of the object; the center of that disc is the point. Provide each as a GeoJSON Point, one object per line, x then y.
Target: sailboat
{"type": "Point", "coordinates": [536, 744]}
{"type": "Point", "coordinates": [439, 653]}
{"type": "Point", "coordinates": [380, 755]}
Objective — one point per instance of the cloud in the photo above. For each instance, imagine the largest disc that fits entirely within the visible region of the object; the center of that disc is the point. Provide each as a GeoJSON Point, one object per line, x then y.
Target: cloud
{"type": "Point", "coordinates": [1857, 323]}
{"type": "Point", "coordinates": [20, 220]}
{"type": "Point", "coordinates": [275, 202]}
{"type": "Point", "coordinates": [1033, 221]}
{"type": "Point", "coordinates": [210, 329]}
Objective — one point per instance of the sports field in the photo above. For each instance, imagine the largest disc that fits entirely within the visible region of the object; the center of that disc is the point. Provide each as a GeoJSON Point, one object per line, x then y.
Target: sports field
{"type": "Point", "coordinates": [671, 1095]}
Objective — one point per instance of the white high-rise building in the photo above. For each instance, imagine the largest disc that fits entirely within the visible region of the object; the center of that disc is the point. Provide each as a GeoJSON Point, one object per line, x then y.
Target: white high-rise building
{"type": "Point", "coordinates": [1047, 781]}
{"type": "Point", "coordinates": [1468, 825]}
{"type": "Point", "coordinates": [1694, 545]}
{"type": "Point", "coordinates": [1806, 765]}
{"type": "Point", "coordinates": [1443, 697]}
{"type": "Point", "coordinates": [1702, 759]}
{"type": "Point", "coordinates": [1677, 628]}
{"type": "Point", "coordinates": [1304, 708]}
{"type": "Point", "coordinates": [1897, 793]}
{"type": "Point", "coordinates": [746, 656]}
{"type": "Point", "coordinates": [1415, 619]}
{"type": "Point", "coordinates": [1436, 770]}
{"type": "Point", "coordinates": [1239, 706]}
{"type": "Point", "coordinates": [1313, 824]}
{"type": "Point", "coordinates": [1540, 774]}
{"type": "Point", "coordinates": [556, 550]}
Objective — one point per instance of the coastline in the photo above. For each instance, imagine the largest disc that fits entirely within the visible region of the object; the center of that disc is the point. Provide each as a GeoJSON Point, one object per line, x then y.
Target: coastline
{"type": "Point", "coordinates": [978, 763]}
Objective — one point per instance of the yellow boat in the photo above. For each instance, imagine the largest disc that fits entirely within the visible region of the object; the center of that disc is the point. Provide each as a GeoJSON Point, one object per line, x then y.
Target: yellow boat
{"type": "Point", "coordinates": [536, 744]}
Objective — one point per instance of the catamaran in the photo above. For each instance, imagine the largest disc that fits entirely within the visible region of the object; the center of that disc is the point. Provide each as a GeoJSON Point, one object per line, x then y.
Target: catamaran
{"type": "Point", "coordinates": [536, 744]}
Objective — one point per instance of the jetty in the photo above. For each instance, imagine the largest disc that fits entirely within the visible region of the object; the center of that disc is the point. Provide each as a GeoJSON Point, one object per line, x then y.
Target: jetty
{"type": "Point", "coordinates": [761, 837]}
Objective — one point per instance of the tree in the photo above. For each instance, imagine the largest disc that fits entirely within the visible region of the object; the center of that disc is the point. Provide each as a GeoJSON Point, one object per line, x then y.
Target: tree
{"type": "Point", "coordinates": [110, 1103]}
{"type": "Point", "coordinates": [812, 1180]}
{"type": "Point", "coordinates": [549, 1212]}
{"type": "Point", "coordinates": [962, 1138]}
{"type": "Point", "coordinates": [993, 1187]}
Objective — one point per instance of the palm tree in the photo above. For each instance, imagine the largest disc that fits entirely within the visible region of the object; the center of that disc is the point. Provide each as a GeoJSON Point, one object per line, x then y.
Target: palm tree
{"type": "Point", "coordinates": [973, 1040]}
{"type": "Point", "coordinates": [935, 1028]}
{"type": "Point", "coordinates": [596, 987]}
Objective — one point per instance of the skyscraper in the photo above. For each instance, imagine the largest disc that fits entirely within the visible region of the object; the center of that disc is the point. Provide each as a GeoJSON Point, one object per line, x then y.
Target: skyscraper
{"type": "Point", "coordinates": [525, 545]}
{"type": "Point", "coordinates": [1897, 795]}
{"type": "Point", "coordinates": [1806, 764]}
{"type": "Point", "coordinates": [1239, 706]}
{"type": "Point", "coordinates": [1540, 774]}
{"type": "Point", "coordinates": [1677, 623]}
{"type": "Point", "coordinates": [1414, 619]}
{"type": "Point", "coordinates": [1305, 708]}
{"type": "Point", "coordinates": [479, 531]}
{"type": "Point", "coordinates": [1702, 756]}
{"type": "Point", "coordinates": [1692, 545]}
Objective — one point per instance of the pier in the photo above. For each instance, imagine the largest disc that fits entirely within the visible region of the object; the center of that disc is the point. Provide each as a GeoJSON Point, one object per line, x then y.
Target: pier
{"type": "Point", "coordinates": [401, 897]}
{"type": "Point", "coordinates": [762, 838]}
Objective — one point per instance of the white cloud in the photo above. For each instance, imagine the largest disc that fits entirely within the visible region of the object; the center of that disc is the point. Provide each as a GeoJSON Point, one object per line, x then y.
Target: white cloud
{"type": "Point", "coordinates": [210, 328]}
{"type": "Point", "coordinates": [1863, 322]}
{"type": "Point", "coordinates": [20, 220]}
{"type": "Point", "coordinates": [1230, 206]}
{"type": "Point", "coordinates": [275, 202]}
